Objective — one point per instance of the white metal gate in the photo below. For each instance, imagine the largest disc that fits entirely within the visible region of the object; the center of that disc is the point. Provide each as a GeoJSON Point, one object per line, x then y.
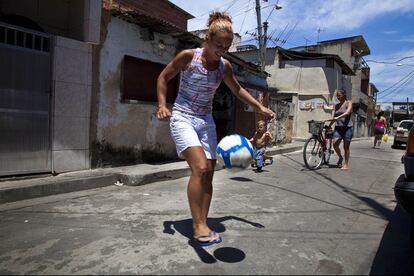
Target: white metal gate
{"type": "Point", "coordinates": [25, 90]}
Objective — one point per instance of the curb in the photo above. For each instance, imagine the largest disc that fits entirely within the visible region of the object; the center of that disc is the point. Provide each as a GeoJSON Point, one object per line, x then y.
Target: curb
{"type": "Point", "coordinates": [53, 188]}
{"type": "Point", "coordinates": [142, 179]}
{"type": "Point", "coordinates": [282, 151]}
{"type": "Point", "coordinates": [40, 187]}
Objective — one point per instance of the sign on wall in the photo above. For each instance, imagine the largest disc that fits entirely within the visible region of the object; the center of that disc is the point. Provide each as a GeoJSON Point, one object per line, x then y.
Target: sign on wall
{"type": "Point", "coordinates": [315, 104]}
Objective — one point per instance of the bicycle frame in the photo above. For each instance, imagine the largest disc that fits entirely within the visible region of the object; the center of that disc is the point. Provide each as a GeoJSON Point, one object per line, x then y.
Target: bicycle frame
{"type": "Point", "coordinates": [322, 146]}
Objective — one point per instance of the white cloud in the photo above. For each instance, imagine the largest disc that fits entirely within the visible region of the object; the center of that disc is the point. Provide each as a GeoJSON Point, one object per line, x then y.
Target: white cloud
{"type": "Point", "coordinates": [347, 15]}
{"type": "Point", "coordinates": [329, 16]}
{"type": "Point", "coordinates": [408, 38]}
{"type": "Point", "coordinates": [390, 32]}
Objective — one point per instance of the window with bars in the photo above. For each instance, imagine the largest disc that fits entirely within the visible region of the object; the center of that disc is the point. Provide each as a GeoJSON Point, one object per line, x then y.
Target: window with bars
{"type": "Point", "coordinates": [23, 39]}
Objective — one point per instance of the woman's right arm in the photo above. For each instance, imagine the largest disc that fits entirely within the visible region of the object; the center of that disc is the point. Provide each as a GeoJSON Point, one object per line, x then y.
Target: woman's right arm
{"type": "Point", "coordinates": [179, 63]}
{"type": "Point", "coordinates": [333, 117]}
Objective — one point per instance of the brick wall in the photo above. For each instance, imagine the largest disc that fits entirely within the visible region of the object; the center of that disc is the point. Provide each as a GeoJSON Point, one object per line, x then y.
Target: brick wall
{"type": "Point", "coordinates": [160, 9]}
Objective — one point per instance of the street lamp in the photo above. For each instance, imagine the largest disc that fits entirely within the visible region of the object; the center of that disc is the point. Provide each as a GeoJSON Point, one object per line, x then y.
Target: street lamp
{"type": "Point", "coordinates": [262, 37]}
{"type": "Point", "coordinates": [404, 64]}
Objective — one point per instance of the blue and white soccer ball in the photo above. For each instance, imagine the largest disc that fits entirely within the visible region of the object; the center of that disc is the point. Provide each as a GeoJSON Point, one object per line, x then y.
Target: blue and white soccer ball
{"type": "Point", "coordinates": [234, 152]}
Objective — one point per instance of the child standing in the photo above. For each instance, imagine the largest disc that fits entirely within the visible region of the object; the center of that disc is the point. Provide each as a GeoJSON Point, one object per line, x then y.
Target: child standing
{"type": "Point", "coordinates": [191, 124]}
{"type": "Point", "coordinates": [260, 140]}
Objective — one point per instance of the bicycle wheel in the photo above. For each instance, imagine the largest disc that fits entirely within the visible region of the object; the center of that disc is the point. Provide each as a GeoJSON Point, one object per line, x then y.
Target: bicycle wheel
{"type": "Point", "coordinates": [313, 153]}
{"type": "Point", "coordinates": [328, 152]}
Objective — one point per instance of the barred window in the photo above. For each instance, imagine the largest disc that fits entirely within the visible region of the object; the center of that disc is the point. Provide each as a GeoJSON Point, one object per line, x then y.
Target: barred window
{"type": "Point", "coordinates": [11, 36]}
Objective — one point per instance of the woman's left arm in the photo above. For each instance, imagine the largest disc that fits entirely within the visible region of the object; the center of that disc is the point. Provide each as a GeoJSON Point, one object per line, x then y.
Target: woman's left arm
{"type": "Point", "coordinates": [242, 94]}
{"type": "Point", "coordinates": [385, 123]}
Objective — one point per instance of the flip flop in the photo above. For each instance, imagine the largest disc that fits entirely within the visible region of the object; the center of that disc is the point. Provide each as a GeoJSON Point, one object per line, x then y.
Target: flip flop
{"type": "Point", "coordinates": [210, 239]}
{"type": "Point", "coordinates": [344, 169]}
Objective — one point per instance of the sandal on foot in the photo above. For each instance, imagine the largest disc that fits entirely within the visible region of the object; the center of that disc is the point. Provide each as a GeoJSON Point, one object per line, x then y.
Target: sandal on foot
{"type": "Point", "coordinates": [210, 239]}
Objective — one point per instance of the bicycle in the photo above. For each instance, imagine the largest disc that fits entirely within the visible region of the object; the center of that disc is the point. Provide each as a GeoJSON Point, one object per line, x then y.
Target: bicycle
{"type": "Point", "coordinates": [318, 148]}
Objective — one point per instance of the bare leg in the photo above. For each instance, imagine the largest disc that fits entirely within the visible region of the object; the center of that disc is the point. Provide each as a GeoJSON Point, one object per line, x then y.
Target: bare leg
{"type": "Point", "coordinates": [346, 153]}
{"type": "Point", "coordinates": [206, 197]}
{"type": "Point", "coordinates": [375, 140]}
{"type": "Point", "coordinates": [200, 188]}
{"type": "Point", "coordinates": [336, 144]}
{"type": "Point", "coordinates": [379, 139]}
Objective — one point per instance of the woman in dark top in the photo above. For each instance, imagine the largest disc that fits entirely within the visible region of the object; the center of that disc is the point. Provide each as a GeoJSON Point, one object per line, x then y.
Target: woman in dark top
{"type": "Point", "coordinates": [343, 128]}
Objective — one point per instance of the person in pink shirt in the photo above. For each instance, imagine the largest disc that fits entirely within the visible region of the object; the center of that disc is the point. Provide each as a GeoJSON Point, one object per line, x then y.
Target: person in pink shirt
{"type": "Point", "coordinates": [380, 127]}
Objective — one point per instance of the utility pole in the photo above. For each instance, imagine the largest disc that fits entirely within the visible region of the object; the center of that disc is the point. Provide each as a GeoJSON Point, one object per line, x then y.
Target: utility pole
{"type": "Point", "coordinates": [260, 37]}
{"type": "Point", "coordinates": [265, 25]}
{"type": "Point", "coordinates": [319, 31]}
{"type": "Point", "coordinates": [407, 110]}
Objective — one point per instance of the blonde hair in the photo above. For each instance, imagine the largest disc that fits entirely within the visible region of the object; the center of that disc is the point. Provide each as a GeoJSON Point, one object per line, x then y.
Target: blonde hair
{"type": "Point", "coordinates": [219, 22]}
{"type": "Point", "coordinates": [261, 122]}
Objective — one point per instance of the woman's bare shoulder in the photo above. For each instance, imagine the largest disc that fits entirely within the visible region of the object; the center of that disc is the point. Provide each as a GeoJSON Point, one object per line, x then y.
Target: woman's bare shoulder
{"type": "Point", "coordinates": [186, 54]}
{"type": "Point", "coordinates": [183, 58]}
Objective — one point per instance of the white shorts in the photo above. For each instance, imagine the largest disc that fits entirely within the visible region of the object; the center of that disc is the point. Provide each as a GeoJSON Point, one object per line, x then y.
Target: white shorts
{"type": "Point", "coordinates": [192, 131]}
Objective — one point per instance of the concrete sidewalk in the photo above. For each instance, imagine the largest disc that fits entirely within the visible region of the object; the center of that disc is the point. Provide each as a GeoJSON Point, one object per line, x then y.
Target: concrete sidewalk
{"type": "Point", "coordinates": [21, 188]}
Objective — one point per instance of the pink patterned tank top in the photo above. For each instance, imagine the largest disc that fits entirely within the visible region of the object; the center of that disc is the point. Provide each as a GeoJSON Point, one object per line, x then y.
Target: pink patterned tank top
{"type": "Point", "coordinates": [197, 86]}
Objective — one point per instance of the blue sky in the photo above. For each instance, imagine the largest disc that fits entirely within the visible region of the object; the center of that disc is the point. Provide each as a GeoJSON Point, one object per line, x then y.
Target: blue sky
{"type": "Point", "coordinates": [387, 26]}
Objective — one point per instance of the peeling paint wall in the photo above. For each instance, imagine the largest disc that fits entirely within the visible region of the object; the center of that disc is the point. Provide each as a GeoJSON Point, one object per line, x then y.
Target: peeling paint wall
{"type": "Point", "coordinates": [283, 126]}
{"type": "Point", "coordinates": [130, 126]}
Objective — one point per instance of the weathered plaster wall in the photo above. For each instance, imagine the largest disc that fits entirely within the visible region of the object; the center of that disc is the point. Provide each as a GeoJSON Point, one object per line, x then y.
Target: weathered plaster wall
{"type": "Point", "coordinates": [305, 78]}
{"type": "Point", "coordinates": [130, 126]}
{"type": "Point", "coordinates": [343, 50]}
{"type": "Point", "coordinates": [305, 115]}
{"type": "Point", "coordinates": [282, 128]}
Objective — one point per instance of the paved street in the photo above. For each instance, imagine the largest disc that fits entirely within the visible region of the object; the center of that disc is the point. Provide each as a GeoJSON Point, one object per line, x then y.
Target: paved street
{"type": "Point", "coordinates": [286, 220]}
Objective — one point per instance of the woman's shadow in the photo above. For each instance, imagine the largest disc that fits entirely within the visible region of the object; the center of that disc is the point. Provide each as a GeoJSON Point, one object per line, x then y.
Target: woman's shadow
{"type": "Point", "coordinates": [224, 254]}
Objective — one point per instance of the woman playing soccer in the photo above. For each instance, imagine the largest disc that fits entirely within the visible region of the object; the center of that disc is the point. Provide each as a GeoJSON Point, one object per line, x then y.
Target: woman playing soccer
{"type": "Point", "coordinates": [191, 124]}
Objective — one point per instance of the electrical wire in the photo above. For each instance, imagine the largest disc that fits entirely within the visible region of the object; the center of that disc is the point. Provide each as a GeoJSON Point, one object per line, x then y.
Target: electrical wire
{"type": "Point", "coordinates": [289, 33]}
{"type": "Point", "coordinates": [245, 14]}
{"type": "Point", "coordinates": [385, 71]}
{"type": "Point", "coordinates": [231, 5]}
{"type": "Point", "coordinates": [218, 8]}
{"type": "Point", "coordinates": [401, 80]}
{"type": "Point", "coordinates": [396, 90]}
{"type": "Point", "coordinates": [385, 62]}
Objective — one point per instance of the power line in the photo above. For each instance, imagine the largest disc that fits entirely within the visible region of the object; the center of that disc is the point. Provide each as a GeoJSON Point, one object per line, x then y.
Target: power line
{"type": "Point", "coordinates": [290, 33]}
{"type": "Point", "coordinates": [398, 87]}
{"type": "Point", "coordinates": [273, 8]}
{"type": "Point", "coordinates": [396, 82]}
{"type": "Point", "coordinates": [385, 62]}
{"type": "Point", "coordinates": [231, 5]}
{"type": "Point", "coordinates": [198, 17]}
{"type": "Point", "coordinates": [385, 71]}
{"type": "Point", "coordinates": [245, 14]}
